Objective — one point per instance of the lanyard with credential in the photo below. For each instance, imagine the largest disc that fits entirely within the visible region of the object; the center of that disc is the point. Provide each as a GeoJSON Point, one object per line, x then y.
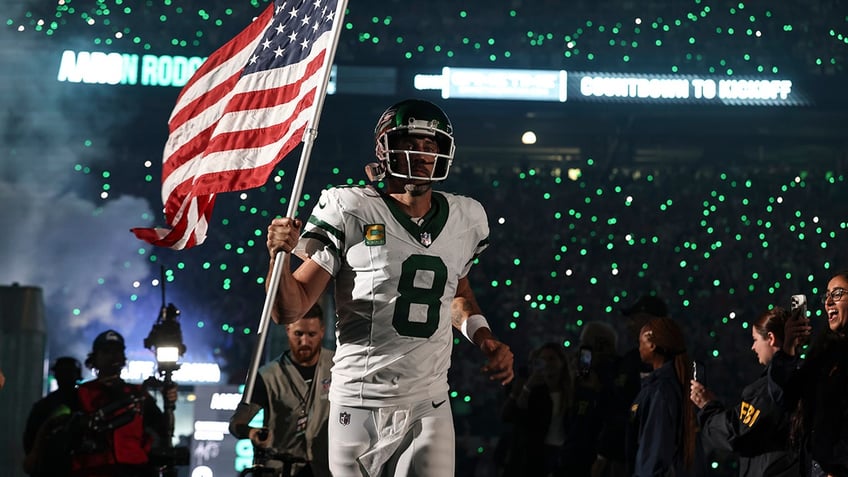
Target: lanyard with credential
{"type": "Point", "coordinates": [304, 400]}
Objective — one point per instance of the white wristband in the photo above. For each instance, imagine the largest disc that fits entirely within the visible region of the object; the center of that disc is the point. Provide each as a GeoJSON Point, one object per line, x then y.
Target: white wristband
{"type": "Point", "coordinates": [472, 324]}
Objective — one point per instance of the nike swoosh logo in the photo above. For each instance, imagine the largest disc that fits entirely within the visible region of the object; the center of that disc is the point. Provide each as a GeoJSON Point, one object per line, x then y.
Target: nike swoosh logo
{"type": "Point", "coordinates": [321, 205]}
{"type": "Point", "coordinates": [437, 404]}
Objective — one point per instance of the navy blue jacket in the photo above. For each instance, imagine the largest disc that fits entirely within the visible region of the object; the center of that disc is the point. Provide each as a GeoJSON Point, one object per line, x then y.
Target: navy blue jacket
{"type": "Point", "coordinates": [654, 444]}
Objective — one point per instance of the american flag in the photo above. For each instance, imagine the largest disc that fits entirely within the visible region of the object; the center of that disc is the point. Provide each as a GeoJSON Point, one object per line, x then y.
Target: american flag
{"type": "Point", "coordinates": [242, 111]}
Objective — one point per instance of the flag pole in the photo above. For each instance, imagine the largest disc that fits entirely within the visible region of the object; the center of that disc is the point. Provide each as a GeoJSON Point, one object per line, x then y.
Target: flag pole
{"type": "Point", "coordinates": [308, 140]}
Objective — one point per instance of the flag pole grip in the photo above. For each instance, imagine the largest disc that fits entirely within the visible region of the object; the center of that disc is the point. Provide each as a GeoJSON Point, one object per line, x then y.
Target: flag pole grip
{"type": "Point", "coordinates": [274, 280]}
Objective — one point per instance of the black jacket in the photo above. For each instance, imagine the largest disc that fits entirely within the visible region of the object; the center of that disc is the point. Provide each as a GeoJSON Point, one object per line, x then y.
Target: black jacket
{"type": "Point", "coordinates": [756, 429]}
{"type": "Point", "coordinates": [527, 455]}
{"type": "Point", "coordinates": [821, 384]}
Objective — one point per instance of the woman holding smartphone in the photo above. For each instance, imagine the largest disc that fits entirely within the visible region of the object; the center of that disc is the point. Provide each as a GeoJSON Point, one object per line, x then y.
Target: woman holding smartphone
{"type": "Point", "coordinates": [756, 428]}
{"type": "Point", "coordinates": [816, 388]}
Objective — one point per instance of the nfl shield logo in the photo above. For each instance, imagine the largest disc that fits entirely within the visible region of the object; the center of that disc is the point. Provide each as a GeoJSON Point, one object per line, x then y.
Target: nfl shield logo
{"type": "Point", "coordinates": [426, 239]}
{"type": "Point", "coordinates": [344, 418]}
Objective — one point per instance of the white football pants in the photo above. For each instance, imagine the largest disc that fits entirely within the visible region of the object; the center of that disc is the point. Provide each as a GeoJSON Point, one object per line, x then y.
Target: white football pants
{"type": "Point", "coordinates": [415, 440]}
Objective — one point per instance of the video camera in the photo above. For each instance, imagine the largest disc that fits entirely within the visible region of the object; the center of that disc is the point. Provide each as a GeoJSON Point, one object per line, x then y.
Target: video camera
{"type": "Point", "coordinates": [264, 456]}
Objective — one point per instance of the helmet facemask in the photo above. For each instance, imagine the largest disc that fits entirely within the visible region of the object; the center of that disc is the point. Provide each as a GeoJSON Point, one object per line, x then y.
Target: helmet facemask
{"type": "Point", "coordinates": [390, 157]}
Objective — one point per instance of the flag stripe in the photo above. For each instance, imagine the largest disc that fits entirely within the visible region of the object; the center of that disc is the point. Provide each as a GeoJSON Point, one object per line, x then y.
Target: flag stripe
{"type": "Point", "coordinates": [198, 113]}
{"type": "Point", "coordinates": [278, 95]}
{"type": "Point", "coordinates": [220, 161]}
{"type": "Point", "coordinates": [190, 168]}
{"type": "Point", "coordinates": [262, 137]}
{"type": "Point", "coordinates": [181, 236]}
{"type": "Point", "coordinates": [228, 137]}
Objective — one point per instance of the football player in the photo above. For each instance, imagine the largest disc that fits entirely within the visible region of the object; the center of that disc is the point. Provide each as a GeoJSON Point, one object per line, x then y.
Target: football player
{"type": "Point", "coordinates": [399, 258]}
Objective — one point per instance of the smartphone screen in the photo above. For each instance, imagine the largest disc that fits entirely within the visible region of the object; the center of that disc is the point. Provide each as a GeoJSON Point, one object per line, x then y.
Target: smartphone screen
{"type": "Point", "coordinates": [698, 372]}
{"type": "Point", "coordinates": [799, 302]}
{"type": "Point", "coordinates": [798, 305]}
{"type": "Point", "coordinates": [585, 360]}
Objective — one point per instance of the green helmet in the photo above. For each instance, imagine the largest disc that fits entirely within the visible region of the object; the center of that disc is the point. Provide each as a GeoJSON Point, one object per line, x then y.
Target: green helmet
{"type": "Point", "coordinates": [417, 118]}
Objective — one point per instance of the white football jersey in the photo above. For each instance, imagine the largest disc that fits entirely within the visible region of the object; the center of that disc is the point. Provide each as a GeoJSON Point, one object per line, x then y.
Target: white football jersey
{"type": "Point", "coordinates": [394, 284]}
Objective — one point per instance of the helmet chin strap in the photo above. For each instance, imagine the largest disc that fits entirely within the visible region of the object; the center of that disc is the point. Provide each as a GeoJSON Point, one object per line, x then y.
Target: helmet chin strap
{"type": "Point", "coordinates": [417, 189]}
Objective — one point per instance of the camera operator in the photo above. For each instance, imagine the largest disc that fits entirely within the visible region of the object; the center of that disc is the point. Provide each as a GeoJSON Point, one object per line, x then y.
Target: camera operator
{"type": "Point", "coordinates": [293, 391]}
{"type": "Point", "coordinates": [119, 422]}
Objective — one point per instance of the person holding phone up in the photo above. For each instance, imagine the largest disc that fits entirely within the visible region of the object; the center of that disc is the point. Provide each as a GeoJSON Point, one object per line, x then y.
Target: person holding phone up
{"type": "Point", "coordinates": [594, 402]}
{"type": "Point", "coordinates": [539, 410]}
{"type": "Point", "coordinates": [815, 389]}
{"type": "Point", "coordinates": [755, 428]}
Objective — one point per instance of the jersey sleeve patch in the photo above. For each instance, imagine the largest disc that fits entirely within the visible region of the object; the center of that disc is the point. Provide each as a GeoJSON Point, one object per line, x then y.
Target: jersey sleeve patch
{"type": "Point", "coordinates": [375, 234]}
